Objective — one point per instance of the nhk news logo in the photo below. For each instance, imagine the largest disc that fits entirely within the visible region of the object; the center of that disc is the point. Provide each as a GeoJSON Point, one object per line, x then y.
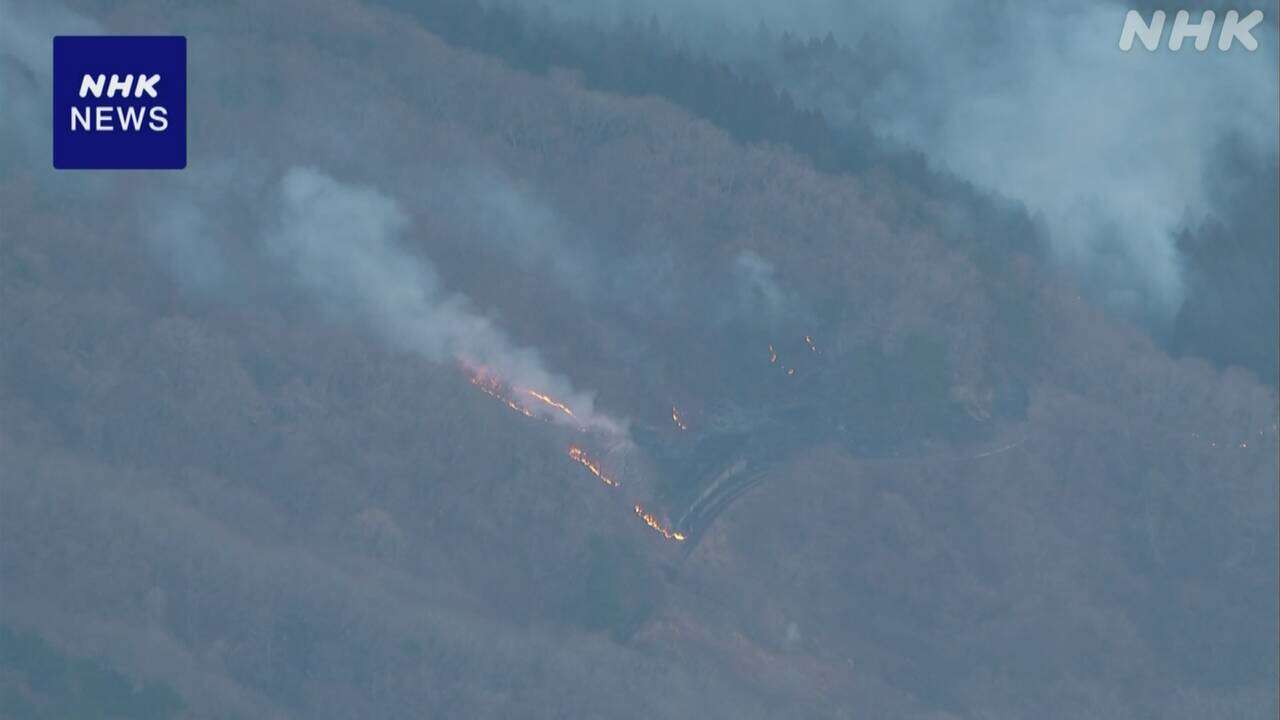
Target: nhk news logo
{"type": "Point", "coordinates": [119, 102]}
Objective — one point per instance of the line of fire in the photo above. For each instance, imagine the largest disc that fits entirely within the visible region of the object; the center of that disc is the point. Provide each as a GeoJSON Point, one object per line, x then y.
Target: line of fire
{"type": "Point", "coordinates": [732, 451]}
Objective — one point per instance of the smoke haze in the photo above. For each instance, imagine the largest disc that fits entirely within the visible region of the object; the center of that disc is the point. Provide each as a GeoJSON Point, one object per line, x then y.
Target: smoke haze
{"type": "Point", "coordinates": [859, 443]}
{"type": "Point", "coordinates": [340, 243]}
{"type": "Point", "coordinates": [1112, 152]}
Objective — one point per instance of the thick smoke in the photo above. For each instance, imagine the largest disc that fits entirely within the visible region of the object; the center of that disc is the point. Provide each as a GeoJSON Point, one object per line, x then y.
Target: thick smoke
{"type": "Point", "coordinates": [340, 243]}
{"type": "Point", "coordinates": [1109, 150]}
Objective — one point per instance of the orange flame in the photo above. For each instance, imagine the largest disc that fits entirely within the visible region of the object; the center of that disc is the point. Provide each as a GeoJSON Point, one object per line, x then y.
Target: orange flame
{"type": "Point", "coordinates": [492, 387]}
{"type": "Point", "coordinates": [579, 455]}
{"type": "Point", "coordinates": [675, 417]}
{"type": "Point", "coordinates": [550, 401]}
{"type": "Point", "coordinates": [652, 522]}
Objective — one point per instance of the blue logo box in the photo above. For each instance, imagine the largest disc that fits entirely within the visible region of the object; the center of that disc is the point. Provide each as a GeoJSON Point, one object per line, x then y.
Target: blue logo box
{"type": "Point", "coordinates": [119, 102]}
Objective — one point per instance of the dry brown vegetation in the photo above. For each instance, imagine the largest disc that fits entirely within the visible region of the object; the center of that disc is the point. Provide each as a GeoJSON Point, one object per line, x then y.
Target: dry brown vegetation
{"type": "Point", "coordinates": [214, 484]}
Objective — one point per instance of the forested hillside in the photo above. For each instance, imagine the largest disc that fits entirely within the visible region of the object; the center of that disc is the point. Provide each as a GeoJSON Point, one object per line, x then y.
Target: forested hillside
{"type": "Point", "coordinates": [272, 448]}
{"type": "Point", "coordinates": [1230, 258]}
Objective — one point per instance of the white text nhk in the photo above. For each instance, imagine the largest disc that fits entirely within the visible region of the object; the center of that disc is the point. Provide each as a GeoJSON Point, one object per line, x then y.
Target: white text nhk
{"type": "Point", "coordinates": [1233, 28]}
{"type": "Point", "coordinates": [108, 118]}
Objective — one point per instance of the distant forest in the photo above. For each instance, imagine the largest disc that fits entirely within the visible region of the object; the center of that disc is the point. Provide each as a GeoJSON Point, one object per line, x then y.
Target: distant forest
{"type": "Point", "coordinates": [248, 469]}
{"type": "Point", "coordinates": [1232, 266]}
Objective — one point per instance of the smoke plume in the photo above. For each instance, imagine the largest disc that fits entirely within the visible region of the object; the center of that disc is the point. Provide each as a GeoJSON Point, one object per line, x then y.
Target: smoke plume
{"type": "Point", "coordinates": [339, 242]}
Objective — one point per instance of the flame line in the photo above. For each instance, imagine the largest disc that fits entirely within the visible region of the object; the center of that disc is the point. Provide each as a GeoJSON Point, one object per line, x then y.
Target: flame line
{"type": "Point", "coordinates": [652, 522]}
{"type": "Point", "coordinates": [494, 387]}
{"type": "Point", "coordinates": [551, 401]}
{"type": "Point", "coordinates": [579, 455]}
{"type": "Point", "coordinates": [491, 385]}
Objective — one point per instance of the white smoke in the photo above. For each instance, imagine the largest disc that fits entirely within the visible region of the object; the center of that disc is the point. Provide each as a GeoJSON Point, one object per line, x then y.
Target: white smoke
{"type": "Point", "coordinates": [1111, 151]}
{"type": "Point", "coordinates": [340, 242]}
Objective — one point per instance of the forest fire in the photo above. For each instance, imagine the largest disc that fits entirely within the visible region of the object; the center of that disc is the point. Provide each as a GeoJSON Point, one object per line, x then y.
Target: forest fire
{"type": "Point", "coordinates": [652, 522]}
{"type": "Point", "coordinates": [790, 371]}
{"type": "Point", "coordinates": [580, 455]}
{"type": "Point", "coordinates": [552, 402]}
{"type": "Point", "coordinates": [493, 387]}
